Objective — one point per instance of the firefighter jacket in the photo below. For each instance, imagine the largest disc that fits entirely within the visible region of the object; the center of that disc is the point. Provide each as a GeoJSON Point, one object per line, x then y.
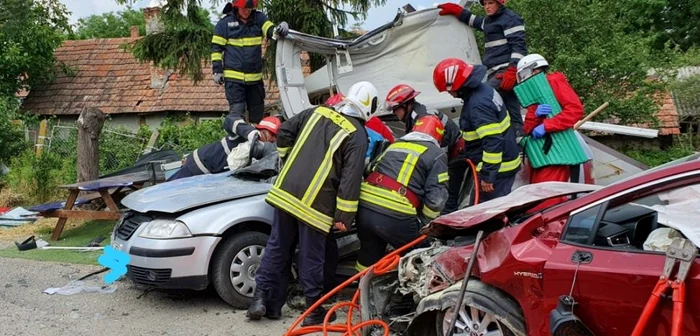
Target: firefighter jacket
{"type": "Point", "coordinates": [488, 136]}
{"type": "Point", "coordinates": [504, 37]}
{"type": "Point", "coordinates": [324, 155]}
{"type": "Point", "coordinates": [211, 158]}
{"type": "Point", "coordinates": [452, 132]}
{"type": "Point", "coordinates": [237, 46]}
{"type": "Point", "coordinates": [417, 163]}
{"type": "Point", "coordinates": [571, 107]}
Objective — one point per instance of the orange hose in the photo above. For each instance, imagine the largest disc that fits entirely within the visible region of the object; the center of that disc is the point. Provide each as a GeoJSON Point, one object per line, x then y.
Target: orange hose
{"type": "Point", "coordinates": [383, 266]}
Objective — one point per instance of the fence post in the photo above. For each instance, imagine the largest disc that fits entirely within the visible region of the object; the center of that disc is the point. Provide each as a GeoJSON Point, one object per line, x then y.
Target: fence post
{"type": "Point", "coordinates": [41, 137]}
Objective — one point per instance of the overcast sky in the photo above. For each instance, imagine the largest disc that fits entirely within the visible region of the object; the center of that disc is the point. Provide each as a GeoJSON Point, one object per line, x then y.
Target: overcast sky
{"type": "Point", "coordinates": [376, 16]}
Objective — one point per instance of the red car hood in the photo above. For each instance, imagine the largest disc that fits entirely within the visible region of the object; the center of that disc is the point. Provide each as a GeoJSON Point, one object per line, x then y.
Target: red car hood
{"type": "Point", "coordinates": [525, 196]}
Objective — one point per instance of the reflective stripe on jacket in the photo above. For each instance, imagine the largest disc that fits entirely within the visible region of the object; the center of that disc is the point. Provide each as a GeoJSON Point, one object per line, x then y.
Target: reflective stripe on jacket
{"type": "Point", "coordinates": [211, 158]}
{"type": "Point", "coordinates": [324, 156]}
{"type": "Point", "coordinates": [452, 132]}
{"type": "Point", "coordinates": [504, 37]}
{"type": "Point", "coordinates": [488, 136]}
{"type": "Point", "coordinates": [416, 162]}
{"type": "Point", "coordinates": [237, 46]}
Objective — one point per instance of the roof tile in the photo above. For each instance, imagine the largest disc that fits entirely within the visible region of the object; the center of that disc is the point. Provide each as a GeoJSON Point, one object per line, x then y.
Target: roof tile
{"type": "Point", "coordinates": [106, 76]}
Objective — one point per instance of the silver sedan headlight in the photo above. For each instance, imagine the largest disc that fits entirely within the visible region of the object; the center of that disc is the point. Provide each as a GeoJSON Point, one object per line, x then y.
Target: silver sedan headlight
{"type": "Point", "coordinates": [165, 229]}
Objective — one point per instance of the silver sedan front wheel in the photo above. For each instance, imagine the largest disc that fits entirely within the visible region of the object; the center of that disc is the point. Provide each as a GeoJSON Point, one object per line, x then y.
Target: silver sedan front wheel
{"type": "Point", "coordinates": [243, 268]}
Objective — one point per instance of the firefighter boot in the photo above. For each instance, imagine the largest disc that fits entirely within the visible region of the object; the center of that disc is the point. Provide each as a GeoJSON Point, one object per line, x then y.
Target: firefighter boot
{"type": "Point", "coordinates": [315, 317]}
{"type": "Point", "coordinates": [257, 310]}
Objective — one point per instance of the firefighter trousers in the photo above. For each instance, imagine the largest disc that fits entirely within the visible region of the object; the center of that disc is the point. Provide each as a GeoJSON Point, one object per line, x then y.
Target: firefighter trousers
{"type": "Point", "coordinates": [550, 174]}
{"type": "Point", "coordinates": [511, 101]}
{"type": "Point", "coordinates": [189, 168]}
{"type": "Point", "coordinates": [273, 275]}
{"type": "Point", "coordinates": [501, 187]}
{"type": "Point", "coordinates": [250, 95]}
{"type": "Point", "coordinates": [375, 230]}
{"type": "Point", "coordinates": [456, 171]}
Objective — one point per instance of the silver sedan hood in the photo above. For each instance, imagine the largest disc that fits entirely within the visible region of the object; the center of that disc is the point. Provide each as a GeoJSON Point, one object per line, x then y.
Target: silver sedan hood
{"type": "Point", "coordinates": [191, 192]}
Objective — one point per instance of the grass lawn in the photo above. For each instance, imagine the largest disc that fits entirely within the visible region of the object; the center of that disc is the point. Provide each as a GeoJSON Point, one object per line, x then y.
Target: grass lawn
{"type": "Point", "coordinates": [77, 236]}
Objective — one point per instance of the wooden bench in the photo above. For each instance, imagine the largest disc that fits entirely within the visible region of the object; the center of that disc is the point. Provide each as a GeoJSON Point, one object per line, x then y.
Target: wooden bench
{"type": "Point", "coordinates": [111, 190]}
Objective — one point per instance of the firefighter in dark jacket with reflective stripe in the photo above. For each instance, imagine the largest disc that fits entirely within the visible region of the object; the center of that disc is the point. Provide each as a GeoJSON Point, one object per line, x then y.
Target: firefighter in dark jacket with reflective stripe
{"type": "Point", "coordinates": [237, 57]}
{"type": "Point", "coordinates": [211, 158]}
{"type": "Point", "coordinates": [401, 100]}
{"type": "Point", "coordinates": [317, 189]}
{"type": "Point", "coordinates": [505, 45]}
{"type": "Point", "coordinates": [488, 134]}
{"type": "Point", "coordinates": [406, 188]}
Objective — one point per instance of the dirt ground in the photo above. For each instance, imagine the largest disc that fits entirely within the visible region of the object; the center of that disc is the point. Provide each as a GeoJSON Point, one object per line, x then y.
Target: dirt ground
{"type": "Point", "coordinates": [25, 310]}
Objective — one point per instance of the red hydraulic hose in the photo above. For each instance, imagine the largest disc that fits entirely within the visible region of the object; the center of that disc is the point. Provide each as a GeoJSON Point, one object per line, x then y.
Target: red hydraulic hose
{"type": "Point", "coordinates": [383, 266]}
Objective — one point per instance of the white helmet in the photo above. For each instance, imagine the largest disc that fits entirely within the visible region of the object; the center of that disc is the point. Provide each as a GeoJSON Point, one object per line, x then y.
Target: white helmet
{"type": "Point", "coordinates": [529, 63]}
{"type": "Point", "coordinates": [360, 101]}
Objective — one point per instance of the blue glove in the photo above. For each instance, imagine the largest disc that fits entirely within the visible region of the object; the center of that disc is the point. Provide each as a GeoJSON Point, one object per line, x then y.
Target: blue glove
{"type": "Point", "coordinates": [543, 110]}
{"type": "Point", "coordinates": [539, 132]}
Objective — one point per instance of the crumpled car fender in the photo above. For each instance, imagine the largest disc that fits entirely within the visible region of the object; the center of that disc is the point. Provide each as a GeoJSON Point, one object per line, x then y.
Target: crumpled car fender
{"type": "Point", "coordinates": [479, 295]}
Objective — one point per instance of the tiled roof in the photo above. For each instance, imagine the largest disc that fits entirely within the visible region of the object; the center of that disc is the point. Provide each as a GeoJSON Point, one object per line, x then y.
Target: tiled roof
{"type": "Point", "coordinates": [109, 78]}
{"type": "Point", "coordinates": [668, 117]}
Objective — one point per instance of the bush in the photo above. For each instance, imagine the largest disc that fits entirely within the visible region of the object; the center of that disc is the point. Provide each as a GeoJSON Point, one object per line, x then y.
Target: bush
{"type": "Point", "coordinates": [12, 138]}
{"type": "Point", "coordinates": [38, 177]}
{"type": "Point", "coordinates": [185, 136]}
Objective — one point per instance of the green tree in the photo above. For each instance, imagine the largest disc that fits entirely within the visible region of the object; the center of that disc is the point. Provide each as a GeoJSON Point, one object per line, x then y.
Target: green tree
{"type": "Point", "coordinates": [591, 42]}
{"type": "Point", "coordinates": [12, 139]}
{"type": "Point", "coordinates": [184, 42]}
{"type": "Point", "coordinates": [668, 23]}
{"type": "Point", "coordinates": [30, 31]}
{"type": "Point", "coordinates": [109, 25]}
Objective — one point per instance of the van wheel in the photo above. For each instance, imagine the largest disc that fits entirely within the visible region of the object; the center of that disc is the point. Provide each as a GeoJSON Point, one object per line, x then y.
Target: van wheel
{"type": "Point", "coordinates": [234, 267]}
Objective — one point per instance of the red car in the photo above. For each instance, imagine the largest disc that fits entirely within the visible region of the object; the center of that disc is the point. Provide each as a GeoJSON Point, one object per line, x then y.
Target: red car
{"type": "Point", "coordinates": [605, 248]}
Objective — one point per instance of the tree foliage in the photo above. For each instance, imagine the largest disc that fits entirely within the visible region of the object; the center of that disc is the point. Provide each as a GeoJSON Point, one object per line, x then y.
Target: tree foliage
{"type": "Point", "coordinates": [593, 44]}
{"type": "Point", "coordinates": [109, 25]}
{"type": "Point", "coordinates": [184, 42]}
{"type": "Point", "coordinates": [12, 139]}
{"type": "Point", "coordinates": [30, 31]}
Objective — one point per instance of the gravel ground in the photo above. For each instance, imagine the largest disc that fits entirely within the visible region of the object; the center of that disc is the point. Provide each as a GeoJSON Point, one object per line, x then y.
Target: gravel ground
{"type": "Point", "coordinates": [25, 310]}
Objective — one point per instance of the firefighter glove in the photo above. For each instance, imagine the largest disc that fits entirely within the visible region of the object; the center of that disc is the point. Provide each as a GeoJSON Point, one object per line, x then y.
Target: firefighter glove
{"type": "Point", "coordinates": [508, 80]}
{"type": "Point", "coordinates": [539, 132]}
{"type": "Point", "coordinates": [282, 29]}
{"type": "Point", "coordinates": [450, 8]}
{"type": "Point", "coordinates": [219, 78]}
{"type": "Point", "coordinates": [543, 110]}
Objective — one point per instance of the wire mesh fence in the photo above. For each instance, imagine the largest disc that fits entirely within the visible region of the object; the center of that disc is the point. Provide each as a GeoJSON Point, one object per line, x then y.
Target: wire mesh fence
{"type": "Point", "coordinates": [119, 148]}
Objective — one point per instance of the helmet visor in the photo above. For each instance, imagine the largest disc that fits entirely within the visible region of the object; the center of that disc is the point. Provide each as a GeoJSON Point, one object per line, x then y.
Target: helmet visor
{"type": "Point", "coordinates": [526, 72]}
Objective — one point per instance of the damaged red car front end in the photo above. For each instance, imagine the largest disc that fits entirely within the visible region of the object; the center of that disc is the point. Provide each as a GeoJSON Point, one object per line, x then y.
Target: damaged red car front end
{"type": "Point", "coordinates": [598, 254]}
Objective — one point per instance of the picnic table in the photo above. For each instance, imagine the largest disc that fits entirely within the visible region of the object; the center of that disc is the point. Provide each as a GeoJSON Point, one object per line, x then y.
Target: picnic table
{"type": "Point", "coordinates": [110, 189]}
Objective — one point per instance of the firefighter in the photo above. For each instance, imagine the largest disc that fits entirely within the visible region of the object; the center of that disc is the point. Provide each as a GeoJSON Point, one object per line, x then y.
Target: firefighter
{"type": "Point", "coordinates": [504, 37]}
{"type": "Point", "coordinates": [317, 190]}
{"type": "Point", "coordinates": [237, 58]}
{"type": "Point", "coordinates": [211, 158]}
{"type": "Point", "coordinates": [406, 188]}
{"type": "Point", "coordinates": [538, 125]}
{"type": "Point", "coordinates": [377, 131]}
{"type": "Point", "coordinates": [401, 101]}
{"type": "Point", "coordinates": [485, 123]}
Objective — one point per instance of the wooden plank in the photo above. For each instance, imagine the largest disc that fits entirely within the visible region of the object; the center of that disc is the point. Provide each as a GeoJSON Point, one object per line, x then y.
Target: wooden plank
{"type": "Point", "coordinates": [62, 221]}
{"type": "Point", "coordinates": [109, 201]}
{"type": "Point", "coordinates": [84, 214]}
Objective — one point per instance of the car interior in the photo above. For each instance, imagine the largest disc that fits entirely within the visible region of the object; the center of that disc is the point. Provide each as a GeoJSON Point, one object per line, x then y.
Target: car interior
{"type": "Point", "coordinates": [626, 226]}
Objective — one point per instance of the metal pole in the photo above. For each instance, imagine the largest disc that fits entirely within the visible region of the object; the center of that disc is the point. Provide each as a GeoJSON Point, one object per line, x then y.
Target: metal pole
{"type": "Point", "coordinates": [462, 290]}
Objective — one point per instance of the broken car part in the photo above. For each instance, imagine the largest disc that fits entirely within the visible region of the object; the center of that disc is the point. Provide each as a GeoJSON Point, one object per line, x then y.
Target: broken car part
{"type": "Point", "coordinates": [467, 274]}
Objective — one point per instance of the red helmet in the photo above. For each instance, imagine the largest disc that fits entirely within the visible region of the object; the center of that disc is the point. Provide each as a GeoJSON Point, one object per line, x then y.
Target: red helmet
{"type": "Point", "coordinates": [245, 3]}
{"type": "Point", "coordinates": [334, 100]}
{"type": "Point", "coordinates": [450, 74]}
{"type": "Point", "coordinates": [271, 124]}
{"type": "Point", "coordinates": [502, 2]}
{"type": "Point", "coordinates": [430, 125]}
{"type": "Point", "coordinates": [398, 96]}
